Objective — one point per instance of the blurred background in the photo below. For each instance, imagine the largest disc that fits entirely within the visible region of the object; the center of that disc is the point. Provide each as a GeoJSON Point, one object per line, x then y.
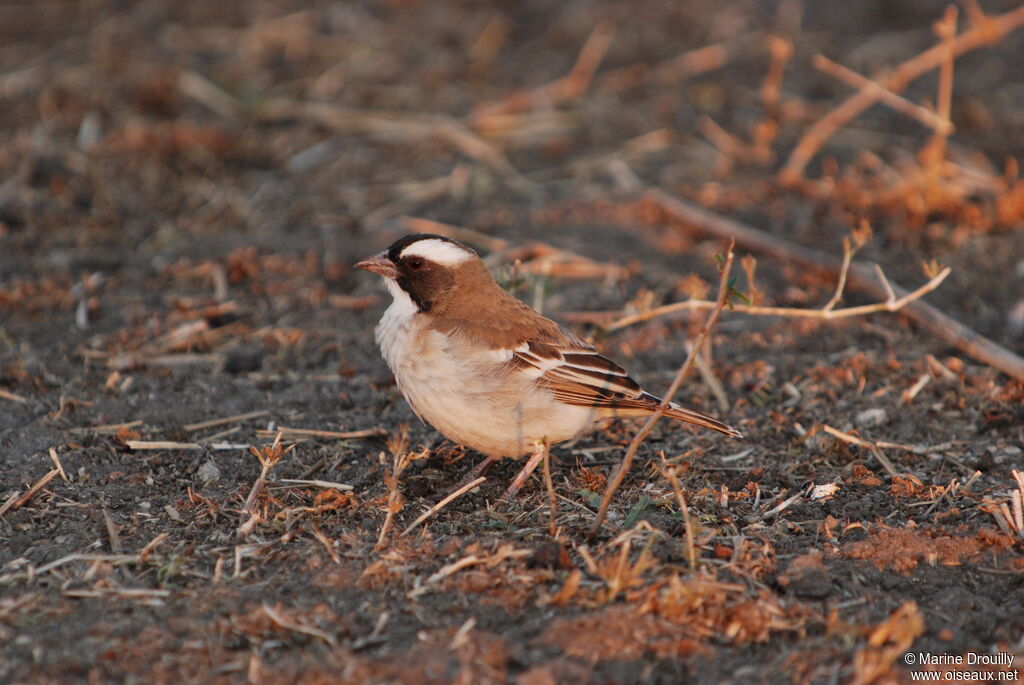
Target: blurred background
{"type": "Point", "coordinates": [185, 185]}
{"type": "Point", "coordinates": [134, 131]}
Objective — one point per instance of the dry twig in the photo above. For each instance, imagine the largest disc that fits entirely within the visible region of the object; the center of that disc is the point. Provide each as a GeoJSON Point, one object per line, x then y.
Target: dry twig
{"type": "Point", "coordinates": [161, 445]}
{"type": "Point", "coordinates": [15, 501]}
{"type": "Point", "coordinates": [682, 66]}
{"type": "Point", "coordinates": [1010, 518]}
{"type": "Point", "coordinates": [897, 102]}
{"type": "Point", "coordinates": [294, 433]}
{"type": "Point", "coordinates": [342, 487]}
{"type": "Point", "coordinates": [237, 418]}
{"type": "Point", "coordinates": [945, 29]}
{"type": "Point", "coordinates": [472, 485]}
{"type": "Point", "coordinates": [669, 473]}
{"type": "Point", "coordinates": [870, 446]}
{"type": "Point", "coordinates": [570, 87]}
{"type": "Point", "coordinates": [826, 313]}
{"type": "Point", "coordinates": [860, 277]}
{"type": "Point", "coordinates": [283, 621]}
{"type": "Point", "coordinates": [988, 31]}
{"type": "Point", "coordinates": [8, 395]}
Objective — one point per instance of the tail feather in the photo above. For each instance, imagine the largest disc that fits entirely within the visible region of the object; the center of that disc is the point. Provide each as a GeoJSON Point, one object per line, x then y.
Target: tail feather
{"type": "Point", "coordinates": [695, 417]}
{"type": "Point", "coordinates": [674, 411]}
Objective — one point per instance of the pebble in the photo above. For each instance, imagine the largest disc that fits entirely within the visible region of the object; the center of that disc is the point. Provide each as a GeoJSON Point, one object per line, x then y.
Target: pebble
{"type": "Point", "coordinates": [208, 472]}
{"type": "Point", "coordinates": [870, 418]}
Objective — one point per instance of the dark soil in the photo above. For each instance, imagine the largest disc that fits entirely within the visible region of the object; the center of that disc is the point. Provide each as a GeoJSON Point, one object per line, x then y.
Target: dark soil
{"type": "Point", "coordinates": [159, 177]}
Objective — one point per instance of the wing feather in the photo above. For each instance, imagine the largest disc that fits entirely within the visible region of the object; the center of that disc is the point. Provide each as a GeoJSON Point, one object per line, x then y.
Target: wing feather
{"type": "Point", "coordinates": [579, 375]}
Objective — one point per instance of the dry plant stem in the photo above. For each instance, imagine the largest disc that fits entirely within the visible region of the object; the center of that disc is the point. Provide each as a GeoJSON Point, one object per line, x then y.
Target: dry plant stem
{"type": "Point", "coordinates": [389, 518]}
{"type": "Point", "coordinates": [7, 395]}
{"type": "Point", "coordinates": [989, 31]}
{"type": "Point", "coordinates": [268, 457]}
{"type": "Point", "coordinates": [337, 435]}
{"type": "Point", "coordinates": [288, 624]}
{"type": "Point", "coordinates": [161, 445]}
{"type": "Point", "coordinates": [711, 381]}
{"type": "Point", "coordinates": [107, 428]}
{"type": "Point", "coordinates": [574, 85]}
{"type": "Point", "coordinates": [443, 503]}
{"type": "Point", "coordinates": [248, 509]}
{"type": "Point", "coordinates": [627, 460]}
{"type": "Point", "coordinates": [889, 305]}
{"type": "Point", "coordinates": [897, 102]}
{"type": "Point", "coordinates": [946, 30]}
{"type": "Point", "coordinates": [682, 66]}
{"type": "Point", "coordinates": [112, 535]}
{"type": "Point", "coordinates": [1017, 498]}
{"type": "Point", "coordinates": [56, 462]}
{"type": "Point", "coordinates": [15, 501]}
{"type": "Point", "coordinates": [395, 500]}
{"type": "Point", "coordinates": [591, 55]}
{"type": "Point", "coordinates": [691, 547]}
{"type": "Point", "coordinates": [342, 487]}
{"type": "Point", "coordinates": [781, 51]}
{"type": "Point", "coordinates": [203, 90]}
{"type": "Point", "coordinates": [227, 419]}
{"type": "Point", "coordinates": [848, 252]}
{"type": "Point", "coordinates": [870, 446]}
{"type": "Point", "coordinates": [861, 278]}
{"type": "Point", "coordinates": [726, 143]}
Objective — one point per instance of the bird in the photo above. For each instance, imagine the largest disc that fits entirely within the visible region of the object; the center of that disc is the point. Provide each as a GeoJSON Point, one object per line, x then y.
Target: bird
{"type": "Point", "coordinates": [488, 371]}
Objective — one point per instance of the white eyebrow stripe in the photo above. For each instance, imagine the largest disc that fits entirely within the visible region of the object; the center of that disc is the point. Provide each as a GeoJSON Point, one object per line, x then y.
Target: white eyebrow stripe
{"type": "Point", "coordinates": [438, 251]}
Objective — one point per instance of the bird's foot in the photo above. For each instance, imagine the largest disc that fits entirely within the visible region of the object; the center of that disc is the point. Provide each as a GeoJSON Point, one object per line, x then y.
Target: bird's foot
{"type": "Point", "coordinates": [528, 468]}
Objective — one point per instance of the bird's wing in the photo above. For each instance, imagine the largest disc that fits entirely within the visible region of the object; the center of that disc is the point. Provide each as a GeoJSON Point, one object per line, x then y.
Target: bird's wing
{"type": "Point", "coordinates": [576, 375]}
{"type": "Point", "coordinates": [579, 375]}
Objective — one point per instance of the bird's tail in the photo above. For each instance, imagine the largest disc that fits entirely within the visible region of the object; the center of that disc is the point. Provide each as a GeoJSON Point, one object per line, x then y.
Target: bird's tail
{"type": "Point", "coordinates": [674, 411]}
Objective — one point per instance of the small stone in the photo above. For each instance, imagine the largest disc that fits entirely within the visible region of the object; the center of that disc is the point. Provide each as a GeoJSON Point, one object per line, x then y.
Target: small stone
{"type": "Point", "coordinates": [871, 418]}
{"type": "Point", "coordinates": [208, 472]}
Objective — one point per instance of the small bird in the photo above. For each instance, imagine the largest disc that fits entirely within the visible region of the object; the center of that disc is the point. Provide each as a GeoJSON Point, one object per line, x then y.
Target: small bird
{"type": "Point", "coordinates": [488, 371]}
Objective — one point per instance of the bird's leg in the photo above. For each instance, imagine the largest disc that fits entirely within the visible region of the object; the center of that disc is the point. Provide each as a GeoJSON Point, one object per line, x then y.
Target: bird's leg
{"type": "Point", "coordinates": [531, 465]}
{"type": "Point", "coordinates": [478, 470]}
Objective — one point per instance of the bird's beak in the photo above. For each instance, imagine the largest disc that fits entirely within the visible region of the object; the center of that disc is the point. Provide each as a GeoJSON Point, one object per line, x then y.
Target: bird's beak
{"type": "Point", "coordinates": [379, 264]}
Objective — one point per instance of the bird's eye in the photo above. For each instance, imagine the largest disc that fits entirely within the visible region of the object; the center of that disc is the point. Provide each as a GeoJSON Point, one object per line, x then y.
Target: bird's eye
{"type": "Point", "coordinates": [415, 263]}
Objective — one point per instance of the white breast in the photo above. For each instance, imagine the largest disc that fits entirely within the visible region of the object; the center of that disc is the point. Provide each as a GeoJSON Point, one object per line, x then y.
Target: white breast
{"type": "Point", "coordinates": [393, 331]}
{"type": "Point", "coordinates": [469, 394]}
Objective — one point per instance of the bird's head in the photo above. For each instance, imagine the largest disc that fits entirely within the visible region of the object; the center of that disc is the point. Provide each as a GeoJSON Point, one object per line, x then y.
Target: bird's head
{"type": "Point", "coordinates": [427, 269]}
